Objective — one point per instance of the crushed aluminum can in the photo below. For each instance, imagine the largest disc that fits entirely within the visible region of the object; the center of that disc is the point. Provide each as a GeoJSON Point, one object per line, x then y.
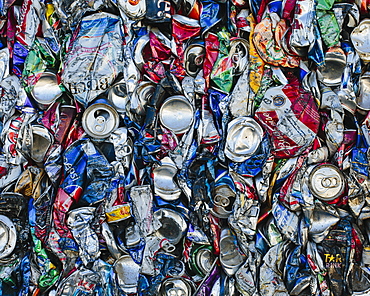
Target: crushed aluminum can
{"type": "Point", "coordinates": [41, 140]}
{"type": "Point", "coordinates": [243, 138]}
{"type": "Point", "coordinates": [194, 56]}
{"type": "Point", "coordinates": [127, 272]}
{"type": "Point", "coordinates": [118, 96]}
{"type": "Point", "coordinates": [163, 180]}
{"type": "Point", "coordinates": [332, 70]}
{"type": "Point", "coordinates": [202, 259]}
{"type": "Point", "coordinates": [158, 11]}
{"type": "Point", "coordinates": [177, 114]}
{"type": "Point", "coordinates": [303, 27]}
{"type": "Point", "coordinates": [46, 90]}
{"type": "Point", "coordinates": [361, 40]}
{"type": "Point", "coordinates": [79, 221]}
{"type": "Point", "coordinates": [140, 97]}
{"type": "Point", "coordinates": [135, 10]}
{"type": "Point", "coordinates": [173, 225]}
{"type": "Point", "coordinates": [132, 236]}
{"type": "Point", "coordinates": [142, 205]}
{"type": "Point", "coordinates": [231, 257]}
{"type": "Point", "coordinates": [323, 218]}
{"type": "Point", "coordinates": [91, 64]}
{"type": "Point", "coordinates": [326, 182]}
{"type": "Point", "coordinates": [100, 119]}
{"type": "Point", "coordinates": [8, 236]}
{"type": "Point", "coordinates": [176, 286]}
{"type": "Point", "coordinates": [363, 98]}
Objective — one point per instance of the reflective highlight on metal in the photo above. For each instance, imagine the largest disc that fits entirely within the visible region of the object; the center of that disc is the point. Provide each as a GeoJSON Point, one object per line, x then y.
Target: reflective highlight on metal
{"type": "Point", "coordinates": [8, 236]}
{"type": "Point", "coordinates": [99, 120]}
{"type": "Point", "coordinates": [326, 182]}
{"type": "Point", "coordinates": [230, 256]}
{"type": "Point", "coordinates": [360, 37]}
{"type": "Point", "coordinates": [177, 114]}
{"type": "Point", "coordinates": [127, 274]}
{"type": "Point", "coordinates": [173, 225]}
{"type": "Point", "coordinates": [363, 99]}
{"type": "Point", "coordinates": [194, 56]}
{"type": "Point", "coordinates": [244, 136]}
{"type": "Point", "coordinates": [164, 184]}
{"type": "Point", "coordinates": [332, 70]}
{"type": "Point", "coordinates": [46, 90]}
{"type": "Point", "coordinates": [176, 287]}
{"type": "Point", "coordinates": [118, 96]}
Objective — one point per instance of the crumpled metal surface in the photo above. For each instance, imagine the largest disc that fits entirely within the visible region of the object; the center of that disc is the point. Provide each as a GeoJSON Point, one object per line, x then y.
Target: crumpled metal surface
{"type": "Point", "coordinates": [184, 147]}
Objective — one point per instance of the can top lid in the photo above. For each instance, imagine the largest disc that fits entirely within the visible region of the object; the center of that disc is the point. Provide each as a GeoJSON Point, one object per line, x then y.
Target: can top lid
{"type": "Point", "coordinates": [8, 236]}
{"type": "Point", "coordinates": [360, 37]}
{"type": "Point", "coordinates": [46, 90]}
{"type": "Point", "coordinates": [177, 114]}
{"type": "Point", "coordinates": [99, 120]}
{"type": "Point", "coordinates": [243, 138]}
{"type": "Point", "coordinates": [326, 182]}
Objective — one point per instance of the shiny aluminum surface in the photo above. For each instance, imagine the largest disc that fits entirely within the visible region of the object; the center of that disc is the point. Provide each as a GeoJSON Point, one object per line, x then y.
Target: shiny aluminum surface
{"type": "Point", "coordinates": [8, 236]}
{"type": "Point", "coordinates": [243, 138]}
{"type": "Point", "coordinates": [332, 70]}
{"type": "Point", "coordinates": [176, 287]}
{"type": "Point", "coordinates": [127, 273]}
{"type": "Point", "coordinates": [46, 90]}
{"type": "Point", "coordinates": [141, 96]}
{"type": "Point", "coordinates": [138, 51]}
{"type": "Point", "coordinates": [177, 114]}
{"type": "Point", "coordinates": [173, 225]}
{"type": "Point", "coordinates": [360, 37]}
{"type": "Point", "coordinates": [100, 120]}
{"type": "Point", "coordinates": [194, 57]}
{"type": "Point", "coordinates": [118, 97]}
{"type": "Point", "coordinates": [134, 9]}
{"type": "Point", "coordinates": [204, 259]}
{"type": "Point", "coordinates": [321, 222]}
{"type": "Point", "coordinates": [363, 99]}
{"type": "Point", "coordinates": [326, 182]}
{"type": "Point", "coordinates": [230, 257]}
{"type": "Point", "coordinates": [164, 184]}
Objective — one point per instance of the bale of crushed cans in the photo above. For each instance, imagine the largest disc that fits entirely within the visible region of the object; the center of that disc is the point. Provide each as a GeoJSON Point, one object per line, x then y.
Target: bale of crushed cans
{"type": "Point", "coordinates": [185, 147]}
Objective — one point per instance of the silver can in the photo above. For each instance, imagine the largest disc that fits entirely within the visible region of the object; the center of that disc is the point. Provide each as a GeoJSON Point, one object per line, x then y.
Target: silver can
{"type": "Point", "coordinates": [118, 96]}
{"type": "Point", "coordinates": [176, 286]}
{"type": "Point", "coordinates": [363, 98]}
{"type": "Point", "coordinates": [99, 120]}
{"type": "Point", "coordinates": [360, 37]}
{"type": "Point", "coordinates": [335, 63]}
{"type": "Point", "coordinates": [8, 236]}
{"type": "Point", "coordinates": [244, 136]}
{"type": "Point", "coordinates": [46, 90]}
{"type": "Point", "coordinates": [127, 272]}
{"type": "Point", "coordinates": [173, 225]}
{"type": "Point", "coordinates": [194, 56]}
{"type": "Point", "coordinates": [177, 114]}
{"type": "Point", "coordinates": [326, 182]}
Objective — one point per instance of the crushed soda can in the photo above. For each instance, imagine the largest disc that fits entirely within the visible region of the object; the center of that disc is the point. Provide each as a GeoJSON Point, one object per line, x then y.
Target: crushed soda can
{"type": "Point", "coordinates": [184, 147]}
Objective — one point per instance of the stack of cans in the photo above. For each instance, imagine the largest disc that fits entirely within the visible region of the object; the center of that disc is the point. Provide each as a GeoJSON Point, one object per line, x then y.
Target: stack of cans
{"type": "Point", "coordinates": [185, 147]}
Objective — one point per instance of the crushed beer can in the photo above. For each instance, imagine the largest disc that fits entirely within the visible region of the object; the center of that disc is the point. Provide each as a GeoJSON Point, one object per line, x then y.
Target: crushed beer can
{"type": "Point", "coordinates": [184, 147]}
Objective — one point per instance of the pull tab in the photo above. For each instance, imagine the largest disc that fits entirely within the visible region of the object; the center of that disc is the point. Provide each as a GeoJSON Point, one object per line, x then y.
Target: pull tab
{"type": "Point", "coordinates": [329, 182]}
{"type": "Point", "coordinates": [101, 120]}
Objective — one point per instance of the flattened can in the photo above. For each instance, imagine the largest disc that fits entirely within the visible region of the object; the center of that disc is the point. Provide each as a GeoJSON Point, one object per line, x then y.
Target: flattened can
{"type": "Point", "coordinates": [8, 236]}
{"type": "Point", "coordinates": [326, 182]}
{"type": "Point", "coordinates": [46, 90]}
{"type": "Point", "coordinates": [243, 138]}
{"type": "Point", "coordinates": [100, 119]}
{"type": "Point", "coordinates": [360, 38]}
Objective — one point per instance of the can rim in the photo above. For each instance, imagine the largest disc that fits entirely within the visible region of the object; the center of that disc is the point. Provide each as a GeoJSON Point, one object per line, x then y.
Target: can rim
{"type": "Point", "coordinates": [311, 182]}
{"type": "Point", "coordinates": [91, 108]}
